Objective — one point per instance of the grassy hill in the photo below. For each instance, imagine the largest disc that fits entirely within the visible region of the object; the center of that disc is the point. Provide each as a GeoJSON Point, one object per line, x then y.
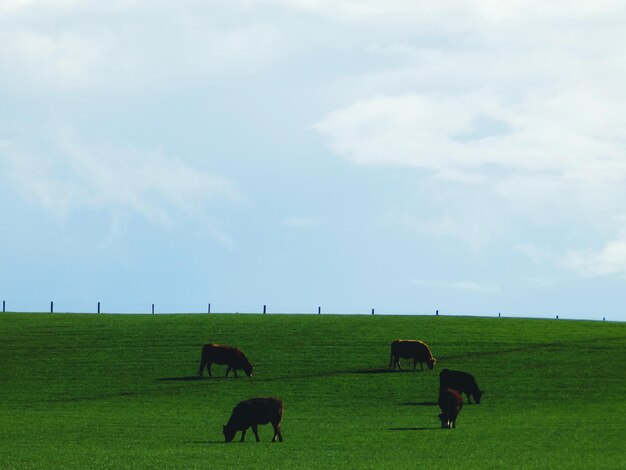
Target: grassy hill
{"type": "Point", "coordinates": [118, 391]}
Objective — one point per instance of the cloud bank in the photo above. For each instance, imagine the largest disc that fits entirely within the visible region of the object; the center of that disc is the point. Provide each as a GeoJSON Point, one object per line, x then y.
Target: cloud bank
{"type": "Point", "coordinates": [520, 102]}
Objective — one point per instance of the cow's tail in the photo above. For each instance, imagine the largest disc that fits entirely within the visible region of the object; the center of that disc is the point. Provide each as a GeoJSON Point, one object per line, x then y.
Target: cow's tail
{"type": "Point", "coordinates": [203, 363]}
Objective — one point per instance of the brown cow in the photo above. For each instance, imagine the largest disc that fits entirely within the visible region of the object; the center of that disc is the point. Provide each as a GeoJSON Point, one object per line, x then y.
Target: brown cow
{"type": "Point", "coordinates": [222, 354]}
{"type": "Point", "coordinates": [450, 402]}
{"type": "Point", "coordinates": [411, 349]}
{"type": "Point", "coordinates": [251, 413]}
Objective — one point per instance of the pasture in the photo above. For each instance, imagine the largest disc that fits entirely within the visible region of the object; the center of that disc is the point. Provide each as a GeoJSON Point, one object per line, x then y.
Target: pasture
{"type": "Point", "coordinates": [119, 391]}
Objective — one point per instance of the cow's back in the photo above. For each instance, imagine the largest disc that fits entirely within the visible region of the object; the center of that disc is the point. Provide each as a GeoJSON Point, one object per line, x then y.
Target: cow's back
{"type": "Point", "coordinates": [220, 353]}
{"type": "Point", "coordinates": [456, 379]}
{"type": "Point", "coordinates": [403, 348]}
{"type": "Point", "coordinates": [258, 411]}
{"type": "Point", "coordinates": [410, 348]}
{"type": "Point", "coordinates": [461, 381]}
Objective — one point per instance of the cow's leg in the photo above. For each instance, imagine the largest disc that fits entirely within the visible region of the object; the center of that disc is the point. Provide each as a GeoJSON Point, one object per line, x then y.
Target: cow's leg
{"type": "Point", "coordinates": [208, 368]}
{"type": "Point", "coordinates": [255, 430]}
{"type": "Point", "coordinates": [235, 372]}
{"type": "Point", "coordinates": [277, 432]}
{"type": "Point", "coordinates": [201, 369]}
{"type": "Point", "coordinates": [243, 434]}
{"type": "Point", "coordinates": [414, 363]}
{"type": "Point", "coordinates": [227, 371]}
{"type": "Point", "coordinates": [469, 400]}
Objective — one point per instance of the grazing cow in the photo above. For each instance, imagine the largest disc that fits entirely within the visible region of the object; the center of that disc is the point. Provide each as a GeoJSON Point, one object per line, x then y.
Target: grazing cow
{"type": "Point", "coordinates": [450, 402]}
{"type": "Point", "coordinates": [251, 413]}
{"type": "Point", "coordinates": [222, 354]}
{"type": "Point", "coordinates": [461, 381]}
{"type": "Point", "coordinates": [411, 349]}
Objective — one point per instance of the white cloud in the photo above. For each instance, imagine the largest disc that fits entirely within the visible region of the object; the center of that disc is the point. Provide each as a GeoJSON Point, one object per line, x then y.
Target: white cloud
{"type": "Point", "coordinates": [441, 134]}
{"type": "Point", "coordinates": [75, 175]}
{"type": "Point", "coordinates": [82, 45]}
{"type": "Point", "coordinates": [463, 285]}
{"type": "Point", "coordinates": [610, 260]}
{"type": "Point", "coordinates": [520, 101]}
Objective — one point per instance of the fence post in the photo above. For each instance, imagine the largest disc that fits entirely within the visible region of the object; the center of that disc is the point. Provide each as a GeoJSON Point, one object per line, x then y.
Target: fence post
{"type": "Point", "coordinates": [264, 309]}
{"type": "Point", "coordinates": [319, 310]}
{"type": "Point", "coordinates": [152, 309]}
{"type": "Point", "coordinates": [209, 309]}
{"type": "Point", "coordinates": [3, 306]}
{"type": "Point", "coordinates": [98, 307]}
{"type": "Point", "coordinates": [51, 307]}
{"type": "Point", "coordinates": [436, 313]}
{"type": "Point", "coordinates": [372, 311]}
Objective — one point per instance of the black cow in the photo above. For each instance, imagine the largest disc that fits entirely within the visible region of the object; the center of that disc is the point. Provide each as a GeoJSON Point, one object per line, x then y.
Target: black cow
{"type": "Point", "coordinates": [461, 381]}
{"type": "Point", "coordinates": [251, 413]}
{"type": "Point", "coordinates": [222, 354]}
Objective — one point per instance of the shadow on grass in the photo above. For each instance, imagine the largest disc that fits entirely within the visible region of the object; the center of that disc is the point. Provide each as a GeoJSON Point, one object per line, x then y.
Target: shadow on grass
{"type": "Point", "coordinates": [370, 371]}
{"type": "Point", "coordinates": [193, 378]}
{"type": "Point", "coordinates": [382, 371]}
{"type": "Point", "coordinates": [412, 429]}
{"type": "Point", "coordinates": [419, 403]}
{"type": "Point", "coordinates": [189, 378]}
{"type": "Point", "coordinates": [207, 442]}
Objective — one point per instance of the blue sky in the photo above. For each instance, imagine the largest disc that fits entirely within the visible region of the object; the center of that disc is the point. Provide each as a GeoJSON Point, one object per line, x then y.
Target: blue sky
{"type": "Point", "coordinates": [406, 156]}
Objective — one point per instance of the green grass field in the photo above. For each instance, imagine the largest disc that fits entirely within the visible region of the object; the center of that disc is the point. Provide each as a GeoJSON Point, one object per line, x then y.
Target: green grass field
{"type": "Point", "coordinates": [118, 391]}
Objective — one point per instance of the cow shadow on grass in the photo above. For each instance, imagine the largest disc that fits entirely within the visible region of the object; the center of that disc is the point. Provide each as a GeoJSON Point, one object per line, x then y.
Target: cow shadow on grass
{"type": "Point", "coordinates": [193, 378]}
{"type": "Point", "coordinates": [413, 429]}
{"type": "Point", "coordinates": [419, 403]}
{"type": "Point", "coordinates": [370, 371]}
{"type": "Point", "coordinates": [188, 378]}
{"type": "Point", "coordinates": [207, 442]}
{"type": "Point", "coordinates": [382, 371]}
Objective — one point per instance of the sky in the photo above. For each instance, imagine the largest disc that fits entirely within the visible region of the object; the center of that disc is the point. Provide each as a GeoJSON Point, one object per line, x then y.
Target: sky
{"type": "Point", "coordinates": [461, 156]}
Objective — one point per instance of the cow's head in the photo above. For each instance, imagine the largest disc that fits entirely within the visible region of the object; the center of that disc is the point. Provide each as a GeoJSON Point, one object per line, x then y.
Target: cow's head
{"type": "Point", "coordinates": [229, 433]}
{"type": "Point", "coordinates": [431, 363]}
{"type": "Point", "coordinates": [444, 420]}
{"type": "Point", "coordinates": [248, 368]}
